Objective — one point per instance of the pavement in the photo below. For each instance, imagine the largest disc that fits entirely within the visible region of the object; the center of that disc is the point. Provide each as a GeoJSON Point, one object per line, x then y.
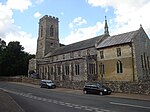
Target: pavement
{"type": "Point", "coordinates": [7, 104]}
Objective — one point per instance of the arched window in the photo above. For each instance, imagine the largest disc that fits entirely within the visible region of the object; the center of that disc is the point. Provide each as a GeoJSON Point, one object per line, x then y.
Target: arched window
{"type": "Point", "coordinates": [102, 69]}
{"type": "Point", "coordinates": [77, 69]}
{"type": "Point", "coordinates": [119, 67]}
{"type": "Point", "coordinates": [51, 31]}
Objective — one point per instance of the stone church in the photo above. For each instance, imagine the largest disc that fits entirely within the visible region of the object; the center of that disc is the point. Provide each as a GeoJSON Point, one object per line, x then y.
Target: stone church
{"type": "Point", "coordinates": [122, 57]}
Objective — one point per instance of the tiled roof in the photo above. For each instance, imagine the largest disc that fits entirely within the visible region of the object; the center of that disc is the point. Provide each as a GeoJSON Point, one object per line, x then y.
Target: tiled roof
{"type": "Point", "coordinates": [75, 46]}
{"type": "Point", "coordinates": [117, 39]}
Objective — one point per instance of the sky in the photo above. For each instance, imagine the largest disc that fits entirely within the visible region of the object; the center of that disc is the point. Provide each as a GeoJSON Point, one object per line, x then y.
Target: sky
{"type": "Point", "coordinates": [78, 19]}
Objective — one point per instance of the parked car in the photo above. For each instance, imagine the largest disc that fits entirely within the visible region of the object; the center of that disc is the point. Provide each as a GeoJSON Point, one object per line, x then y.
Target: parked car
{"type": "Point", "coordinates": [96, 88]}
{"type": "Point", "coordinates": [47, 84]}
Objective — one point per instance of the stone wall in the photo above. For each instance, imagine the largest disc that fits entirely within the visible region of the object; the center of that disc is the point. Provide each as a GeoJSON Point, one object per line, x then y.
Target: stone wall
{"type": "Point", "coordinates": [121, 87]}
{"type": "Point", "coordinates": [21, 79]}
{"type": "Point", "coordinates": [130, 87]}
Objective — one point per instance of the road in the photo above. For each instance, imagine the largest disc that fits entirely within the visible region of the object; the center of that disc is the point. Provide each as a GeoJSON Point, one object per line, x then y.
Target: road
{"type": "Point", "coordinates": [36, 99]}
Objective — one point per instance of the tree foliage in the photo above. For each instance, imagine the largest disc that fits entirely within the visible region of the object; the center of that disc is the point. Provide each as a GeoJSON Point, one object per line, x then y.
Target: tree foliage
{"type": "Point", "coordinates": [13, 60]}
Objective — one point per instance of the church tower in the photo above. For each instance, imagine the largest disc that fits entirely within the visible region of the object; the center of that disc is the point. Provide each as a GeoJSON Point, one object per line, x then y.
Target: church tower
{"type": "Point", "coordinates": [48, 36]}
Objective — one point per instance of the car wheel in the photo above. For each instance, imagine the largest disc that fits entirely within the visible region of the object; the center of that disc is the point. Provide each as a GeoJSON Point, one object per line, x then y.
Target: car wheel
{"type": "Point", "coordinates": [85, 92]}
{"type": "Point", "coordinates": [53, 87]}
{"type": "Point", "coordinates": [109, 93]}
{"type": "Point", "coordinates": [101, 93]}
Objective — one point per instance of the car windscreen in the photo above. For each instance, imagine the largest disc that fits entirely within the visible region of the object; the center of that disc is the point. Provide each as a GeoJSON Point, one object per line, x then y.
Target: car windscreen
{"type": "Point", "coordinates": [49, 82]}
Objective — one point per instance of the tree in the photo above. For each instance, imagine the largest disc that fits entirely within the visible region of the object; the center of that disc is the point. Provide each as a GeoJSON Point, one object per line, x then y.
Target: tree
{"type": "Point", "coordinates": [13, 60]}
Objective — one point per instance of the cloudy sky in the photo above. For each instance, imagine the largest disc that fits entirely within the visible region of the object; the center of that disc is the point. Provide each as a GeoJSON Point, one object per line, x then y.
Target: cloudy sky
{"type": "Point", "coordinates": [79, 19]}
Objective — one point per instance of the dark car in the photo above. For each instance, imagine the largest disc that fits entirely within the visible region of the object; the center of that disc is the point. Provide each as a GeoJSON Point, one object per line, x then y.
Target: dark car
{"type": "Point", "coordinates": [47, 84]}
{"type": "Point", "coordinates": [96, 88]}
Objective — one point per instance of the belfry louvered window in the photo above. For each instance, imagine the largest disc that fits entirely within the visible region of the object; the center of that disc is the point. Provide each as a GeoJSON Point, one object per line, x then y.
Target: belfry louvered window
{"type": "Point", "coordinates": [51, 31]}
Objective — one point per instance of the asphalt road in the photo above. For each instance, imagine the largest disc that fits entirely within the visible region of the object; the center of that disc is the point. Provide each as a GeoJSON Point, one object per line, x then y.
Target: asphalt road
{"type": "Point", "coordinates": [33, 99]}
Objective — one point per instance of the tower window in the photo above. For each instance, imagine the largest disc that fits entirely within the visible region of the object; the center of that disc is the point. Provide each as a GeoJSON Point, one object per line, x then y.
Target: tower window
{"type": "Point", "coordinates": [51, 31]}
{"type": "Point", "coordinates": [41, 31]}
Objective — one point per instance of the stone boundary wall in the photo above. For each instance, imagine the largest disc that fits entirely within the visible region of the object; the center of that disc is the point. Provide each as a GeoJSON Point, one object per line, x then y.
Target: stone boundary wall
{"type": "Point", "coordinates": [21, 79]}
{"type": "Point", "coordinates": [121, 87]}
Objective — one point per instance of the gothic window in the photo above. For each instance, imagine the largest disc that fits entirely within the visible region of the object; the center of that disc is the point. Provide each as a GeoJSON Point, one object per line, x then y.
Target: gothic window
{"type": "Point", "coordinates": [51, 31]}
{"type": "Point", "coordinates": [92, 68]}
{"type": "Point", "coordinates": [41, 31]}
{"type": "Point", "coordinates": [119, 67]}
{"type": "Point", "coordinates": [145, 61]}
{"type": "Point", "coordinates": [59, 70]}
{"type": "Point", "coordinates": [118, 52]}
{"type": "Point", "coordinates": [102, 69]}
{"type": "Point", "coordinates": [142, 61]}
{"type": "Point", "coordinates": [45, 69]}
{"type": "Point", "coordinates": [67, 69]}
{"type": "Point", "coordinates": [77, 69]}
{"type": "Point", "coordinates": [148, 62]}
{"type": "Point", "coordinates": [51, 70]}
{"type": "Point", "coordinates": [101, 54]}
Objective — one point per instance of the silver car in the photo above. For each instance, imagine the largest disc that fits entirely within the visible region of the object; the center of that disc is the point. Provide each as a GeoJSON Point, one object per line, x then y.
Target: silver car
{"type": "Point", "coordinates": [47, 84]}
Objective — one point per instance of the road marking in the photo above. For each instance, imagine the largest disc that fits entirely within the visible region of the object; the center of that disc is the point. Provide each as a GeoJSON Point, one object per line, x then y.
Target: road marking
{"type": "Point", "coordinates": [130, 105]}
{"type": "Point", "coordinates": [71, 105]}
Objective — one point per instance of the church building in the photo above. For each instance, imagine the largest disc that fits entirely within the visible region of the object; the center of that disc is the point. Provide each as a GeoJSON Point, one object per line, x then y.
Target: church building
{"type": "Point", "coordinates": [122, 57]}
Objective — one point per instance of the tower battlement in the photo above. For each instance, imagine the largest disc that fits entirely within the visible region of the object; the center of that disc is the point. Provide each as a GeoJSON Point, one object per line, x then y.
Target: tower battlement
{"type": "Point", "coordinates": [49, 18]}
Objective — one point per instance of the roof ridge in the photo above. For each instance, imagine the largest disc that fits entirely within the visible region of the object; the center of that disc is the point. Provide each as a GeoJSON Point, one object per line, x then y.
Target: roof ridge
{"type": "Point", "coordinates": [87, 43]}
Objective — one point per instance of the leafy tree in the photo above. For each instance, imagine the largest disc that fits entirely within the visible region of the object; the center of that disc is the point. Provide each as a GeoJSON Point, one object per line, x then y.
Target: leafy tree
{"type": "Point", "coordinates": [13, 60]}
